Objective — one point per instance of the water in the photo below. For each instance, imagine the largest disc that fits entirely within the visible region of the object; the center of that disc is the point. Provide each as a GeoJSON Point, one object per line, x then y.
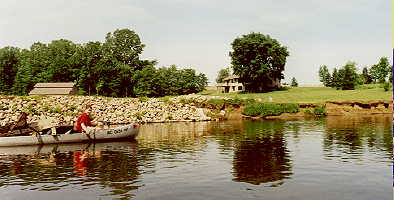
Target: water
{"type": "Point", "coordinates": [327, 158]}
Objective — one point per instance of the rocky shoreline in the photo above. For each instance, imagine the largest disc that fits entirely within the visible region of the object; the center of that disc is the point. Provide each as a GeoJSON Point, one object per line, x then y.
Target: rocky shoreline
{"type": "Point", "coordinates": [62, 110]}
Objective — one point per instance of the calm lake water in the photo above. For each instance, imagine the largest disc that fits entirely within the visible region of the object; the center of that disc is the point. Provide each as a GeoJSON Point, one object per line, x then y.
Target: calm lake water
{"type": "Point", "coordinates": [327, 158]}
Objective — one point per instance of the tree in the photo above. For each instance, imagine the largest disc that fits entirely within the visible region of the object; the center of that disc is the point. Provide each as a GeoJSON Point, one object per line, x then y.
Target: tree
{"type": "Point", "coordinates": [32, 68]}
{"type": "Point", "coordinates": [223, 73]}
{"type": "Point", "coordinates": [125, 46]}
{"type": "Point", "coordinates": [380, 70]}
{"type": "Point", "coordinates": [60, 53]}
{"type": "Point", "coordinates": [348, 76]}
{"type": "Point", "coordinates": [367, 78]}
{"type": "Point", "coordinates": [9, 59]}
{"type": "Point", "coordinates": [336, 79]}
{"type": "Point", "coordinates": [294, 82]}
{"type": "Point", "coordinates": [259, 61]}
{"type": "Point", "coordinates": [325, 76]}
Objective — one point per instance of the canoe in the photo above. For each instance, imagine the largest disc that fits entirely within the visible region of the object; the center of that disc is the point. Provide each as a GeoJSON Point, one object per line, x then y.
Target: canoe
{"type": "Point", "coordinates": [128, 146]}
{"type": "Point", "coordinates": [127, 131]}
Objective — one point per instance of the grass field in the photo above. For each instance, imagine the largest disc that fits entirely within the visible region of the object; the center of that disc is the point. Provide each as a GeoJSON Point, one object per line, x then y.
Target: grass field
{"type": "Point", "coordinates": [314, 94]}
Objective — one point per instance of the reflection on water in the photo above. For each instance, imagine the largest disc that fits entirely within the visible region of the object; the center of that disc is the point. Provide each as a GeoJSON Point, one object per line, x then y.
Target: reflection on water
{"type": "Point", "coordinates": [350, 137]}
{"type": "Point", "coordinates": [260, 155]}
{"type": "Point", "coordinates": [212, 160]}
{"type": "Point", "coordinates": [52, 167]}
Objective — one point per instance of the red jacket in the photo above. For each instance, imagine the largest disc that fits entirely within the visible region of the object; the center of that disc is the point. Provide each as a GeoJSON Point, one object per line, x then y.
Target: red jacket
{"type": "Point", "coordinates": [83, 118]}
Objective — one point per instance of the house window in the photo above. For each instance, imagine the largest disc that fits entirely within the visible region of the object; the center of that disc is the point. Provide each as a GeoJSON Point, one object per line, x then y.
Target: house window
{"type": "Point", "coordinates": [233, 88]}
{"type": "Point", "coordinates": [239, 87]}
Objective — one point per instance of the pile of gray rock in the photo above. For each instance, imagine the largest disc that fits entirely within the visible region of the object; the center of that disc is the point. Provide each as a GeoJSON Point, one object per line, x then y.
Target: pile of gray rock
{"type": "Point", "coordinates": [64, 109]}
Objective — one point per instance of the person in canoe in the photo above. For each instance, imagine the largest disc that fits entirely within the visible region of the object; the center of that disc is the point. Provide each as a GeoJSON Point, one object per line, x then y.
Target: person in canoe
{"type": "Point", "coordinates": [84, 123]}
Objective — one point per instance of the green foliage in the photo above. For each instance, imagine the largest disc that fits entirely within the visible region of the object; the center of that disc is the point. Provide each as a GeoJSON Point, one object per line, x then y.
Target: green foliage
{"type": "Point", "coordinates": [143, 99]}
{"type": "Point", "coordinates": [165, 81]}
{"type": "Point", "coordinates": [56, 109]}
{"type": "Point", "coordinates": [367, 78]}
{"type": "Point", "coordinates": [269, 109]}
{"type": "Point", "coordinates": [367, 86]}
{"type": "Point", "coordinates": [259, 60]}
{"type": "Point", "coordinates": [30, 109]}
{"type": "Point", "coordinates": [294, 82]}
{"type": "Point", "coordinates": [223, 73]}
{"type": "Point", "coordinates": [381, 70]}
{"type": "Point", "coordinates": [336, 79]}
{"type": "Point", "coordinates": [112, 68]}
{"type": "Point", "coordinates": [325, 76]}
{"type": "Point", "coordinates": [72, 107]}
{"type": "Point", "coordinates": [9, 59]}
{"type": "Point", "coordinates": [386, 86]}
{"type": "Point", "coordinates": [348, 76]}
{"type": "Point", "coordinates": [139, 115]}
{"type": "Point", "coordinates": [319, 110]}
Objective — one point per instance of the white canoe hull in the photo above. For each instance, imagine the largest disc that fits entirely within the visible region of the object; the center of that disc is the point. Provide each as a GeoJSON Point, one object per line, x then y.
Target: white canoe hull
{"type": "Point", "coordinates": [68, 147]}
{"type": "Point", "coordinates": [127, 131]}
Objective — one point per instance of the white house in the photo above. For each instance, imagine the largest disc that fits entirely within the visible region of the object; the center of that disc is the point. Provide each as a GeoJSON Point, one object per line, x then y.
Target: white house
{"type": "Point", "coordinates": [230, 84]}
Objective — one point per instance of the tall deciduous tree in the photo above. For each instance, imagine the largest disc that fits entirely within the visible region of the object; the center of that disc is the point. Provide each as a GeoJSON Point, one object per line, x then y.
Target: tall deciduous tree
{"type": "Point", "coordinates": [124, 46]}
{"type": "Point", "coordinates": [259, 60]}
{"type": "Point", "coordinates": [348, 75]}
{"type": "Point", "coordinates": [222, 74]}
{"type": "Point", "coordinates": [8, 68]}
{"type": "Point", "coordinates": [380, 70]}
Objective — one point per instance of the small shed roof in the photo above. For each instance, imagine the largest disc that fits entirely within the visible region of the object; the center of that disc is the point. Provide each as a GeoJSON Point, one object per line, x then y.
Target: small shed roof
{"type": "Point", "coordinates": [230, 77]}
{"type": "Point", "coordinates": [53, 89]}
{"type": "Point", "coordinates": [55, 85]}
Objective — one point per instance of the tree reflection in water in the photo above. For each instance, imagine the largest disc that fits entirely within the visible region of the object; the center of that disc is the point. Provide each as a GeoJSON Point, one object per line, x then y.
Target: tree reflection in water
{"type": "Point", "coordinates": [260, 153]}
{"type": "Point", "coordinates": [351, 136]}
{"type": "Point", "coordinates": [117, 170]}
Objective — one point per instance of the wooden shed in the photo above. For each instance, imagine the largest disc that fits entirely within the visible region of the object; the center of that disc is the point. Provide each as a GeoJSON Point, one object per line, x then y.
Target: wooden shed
{"type": "Point", "coordinates": [68, 88]}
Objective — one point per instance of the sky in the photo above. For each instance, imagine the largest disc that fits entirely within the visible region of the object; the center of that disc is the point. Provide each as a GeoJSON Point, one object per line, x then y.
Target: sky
{"type": "Point", "coordinates": [198, 33]}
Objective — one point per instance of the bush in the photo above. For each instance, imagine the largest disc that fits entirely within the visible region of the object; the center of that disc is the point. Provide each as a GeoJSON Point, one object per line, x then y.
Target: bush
{"type": "Point", "coordinates": [319, 110]}
{"type": "Point", "coordinates": [138, 115]}
{"type": "Point", "coordinates": [386, 86]}
{"type": "Point", "coordinates": [269, 109]}
{"type": "Point", "coordinates": [56, 109]}
{"type": "Point", "coordinates": [143, 98]}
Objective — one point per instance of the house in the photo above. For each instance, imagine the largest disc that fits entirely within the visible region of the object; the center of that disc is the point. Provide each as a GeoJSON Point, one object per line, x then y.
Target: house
{"type": "Point", "coordinates": [230, 84]}
{"type": "Point", "coordinates": [68, 88]}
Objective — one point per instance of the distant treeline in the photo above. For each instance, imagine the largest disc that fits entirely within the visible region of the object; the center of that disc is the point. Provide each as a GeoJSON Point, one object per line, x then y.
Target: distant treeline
{"type": "Point", "coordinates": [112, 68]}
{"type": "Point", "coordinates": [346, 77]}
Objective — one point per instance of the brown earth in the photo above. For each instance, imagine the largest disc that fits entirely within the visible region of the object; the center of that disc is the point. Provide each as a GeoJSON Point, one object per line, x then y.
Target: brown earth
{"type": "Point", "coordinates": [348, 108]}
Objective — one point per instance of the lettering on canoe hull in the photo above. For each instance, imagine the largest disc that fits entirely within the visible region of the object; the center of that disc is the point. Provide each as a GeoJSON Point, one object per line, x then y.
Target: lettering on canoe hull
{"type": "Point", "coordinates": [116, 131]}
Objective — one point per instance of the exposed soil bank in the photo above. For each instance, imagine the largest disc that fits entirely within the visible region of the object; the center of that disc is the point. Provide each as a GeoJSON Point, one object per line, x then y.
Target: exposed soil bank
{"type": "Point", "coordinates": [341, 109]}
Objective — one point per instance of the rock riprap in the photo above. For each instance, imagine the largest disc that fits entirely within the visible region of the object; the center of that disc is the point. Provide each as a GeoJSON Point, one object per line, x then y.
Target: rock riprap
{"type": "Point", "coordinates": [64, 109]}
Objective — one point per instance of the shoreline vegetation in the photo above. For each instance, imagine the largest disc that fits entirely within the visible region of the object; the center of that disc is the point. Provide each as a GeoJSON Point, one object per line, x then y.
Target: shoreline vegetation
{"type": "Point", "coordinates": [205, 106]}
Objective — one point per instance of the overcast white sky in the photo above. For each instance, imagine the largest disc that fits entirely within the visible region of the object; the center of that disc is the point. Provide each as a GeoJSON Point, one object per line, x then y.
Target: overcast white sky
{"type": "Point", "coordinates": [198, 33]}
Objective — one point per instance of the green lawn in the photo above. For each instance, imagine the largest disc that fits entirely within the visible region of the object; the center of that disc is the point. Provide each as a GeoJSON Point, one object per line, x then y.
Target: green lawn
{"type": "Point", "coordinates": [314, 95]}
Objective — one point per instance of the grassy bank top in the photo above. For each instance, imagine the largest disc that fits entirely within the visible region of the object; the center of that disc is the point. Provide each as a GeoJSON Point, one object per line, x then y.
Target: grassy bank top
{"type": "Point", "coordinates": [314, 94]}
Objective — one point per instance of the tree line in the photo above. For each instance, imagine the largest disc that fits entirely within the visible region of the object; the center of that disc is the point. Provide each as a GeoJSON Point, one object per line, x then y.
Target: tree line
{"type": "Point", "coordinates": [346, 77]}
{"type": "Point", "coordinates": [112, 68]}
